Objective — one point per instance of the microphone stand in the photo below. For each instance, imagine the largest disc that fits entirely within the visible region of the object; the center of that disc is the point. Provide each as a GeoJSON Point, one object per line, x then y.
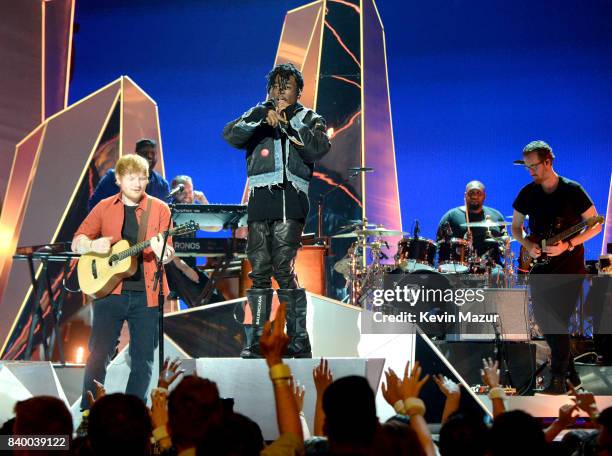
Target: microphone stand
{"type": "Point", "coordinates": [159, 281]}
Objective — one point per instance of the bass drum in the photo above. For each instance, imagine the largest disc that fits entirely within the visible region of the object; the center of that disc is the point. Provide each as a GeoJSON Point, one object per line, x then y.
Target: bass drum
{"type": "Point", "coordinates": [453, 256]}
{"type": "Point", "coordinates": [432, 288]}
{"type": "Point", "coordinates": [416, 254]}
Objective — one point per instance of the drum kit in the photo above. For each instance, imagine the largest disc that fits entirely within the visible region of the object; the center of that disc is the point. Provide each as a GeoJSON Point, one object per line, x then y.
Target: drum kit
{"type": "Point", "coordinates": [420, 255]}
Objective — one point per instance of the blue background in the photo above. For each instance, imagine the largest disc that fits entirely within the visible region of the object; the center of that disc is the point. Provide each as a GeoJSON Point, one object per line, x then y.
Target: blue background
{"type": "Point", "coordinates": [471, 83]}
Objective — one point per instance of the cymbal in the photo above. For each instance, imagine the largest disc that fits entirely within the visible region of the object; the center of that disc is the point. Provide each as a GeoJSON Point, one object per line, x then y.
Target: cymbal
{"type": "Point", "coordinates": [382, 232]}
{"type": "Point", "coordinates": [485, 224]}
{"type": "Point", "coordinates": [499, 240]}
{"type": "Point", "coordinates": [355, 224]}
{"type": "Point", "coordinates": [351, 234]}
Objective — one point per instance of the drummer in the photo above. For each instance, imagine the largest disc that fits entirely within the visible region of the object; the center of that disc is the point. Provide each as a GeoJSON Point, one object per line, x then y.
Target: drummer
{"type": "Point", "coordinates": [453, 222]}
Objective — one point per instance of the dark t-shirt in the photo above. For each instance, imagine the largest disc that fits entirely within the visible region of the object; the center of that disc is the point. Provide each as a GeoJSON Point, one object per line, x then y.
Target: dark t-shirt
{"type": "Point", "coordinates": [551, 213]}
{"type": "Point", "coordinates": [129, 232]}
{"type": "Point", "coordinates": [456, 217]}
{"type": "Point", "coordinates": [267, 203]}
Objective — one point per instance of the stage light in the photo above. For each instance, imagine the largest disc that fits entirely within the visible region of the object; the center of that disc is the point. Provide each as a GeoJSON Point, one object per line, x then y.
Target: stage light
{"type": "Point", "coordinates": [80, 352]}
{"type": "Point", "coordinates": [330, 132]}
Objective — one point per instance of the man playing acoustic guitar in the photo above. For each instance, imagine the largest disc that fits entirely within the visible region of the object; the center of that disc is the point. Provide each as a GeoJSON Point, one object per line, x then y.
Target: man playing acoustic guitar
{"type": "Point", "coordinates": [553, 204]}
{"type": "Point", "coordinates": [134, 216]}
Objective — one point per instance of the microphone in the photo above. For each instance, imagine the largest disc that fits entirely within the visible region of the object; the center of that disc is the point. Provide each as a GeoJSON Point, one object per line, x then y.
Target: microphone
{"type": "Point", "coordinates": [361, 169]}
{"type": "Point", "coordinates": [272, 103]}
{"type": "Point", "coordinates": [178, 189]}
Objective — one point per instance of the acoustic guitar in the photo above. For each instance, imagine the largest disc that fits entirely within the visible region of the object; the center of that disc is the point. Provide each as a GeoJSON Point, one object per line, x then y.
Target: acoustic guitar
{"type": "Point", "coordinates": [99, 273]}
{"type": "Point", "coordinates": [527, 262]}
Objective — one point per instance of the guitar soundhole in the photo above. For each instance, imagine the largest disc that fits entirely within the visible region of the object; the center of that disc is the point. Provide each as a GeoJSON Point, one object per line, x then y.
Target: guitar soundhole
{"type": "Point", "coordinates": [112, 260]}
{"type": "Point", "coordinates": [94, 269]}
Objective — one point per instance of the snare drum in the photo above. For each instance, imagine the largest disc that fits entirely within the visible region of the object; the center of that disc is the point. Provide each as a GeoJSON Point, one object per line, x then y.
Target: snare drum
{"type": "Point", "coordinates": [453, 256]}
{"type": "Point", "coordinates": [416, 254]}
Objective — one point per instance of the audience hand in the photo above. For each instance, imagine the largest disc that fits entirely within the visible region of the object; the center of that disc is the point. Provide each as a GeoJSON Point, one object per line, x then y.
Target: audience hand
{"type": "Point", "coordinates": [322, 377]}
{"type": "Point", "coordinates": [170, 372]}
{"type": "Point", "coordinates": [490, 373]}
{"type": "Point", "coordinates": [100, 392]}
{"type": "Point", "coordinates": [391, 388]}
{"type": "Point", "coordinates": [411, 386]}
{"type": "Point", "coordinates": [273, 343]}
{"type": "Point", "coordinates": [566, 415]}
{"type": "Point", "coordinates": [449, 388]}
{"type": "Point", "coordinates": [584, 400]}
{"type": "Point", "coordinates": [298, 392]}
{"type": "Point", "coordinates": [159, 407]}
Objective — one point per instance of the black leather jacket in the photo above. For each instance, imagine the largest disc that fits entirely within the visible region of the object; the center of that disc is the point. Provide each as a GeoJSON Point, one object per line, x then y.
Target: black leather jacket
{"type": "Point", "coordinates": [307, 142]}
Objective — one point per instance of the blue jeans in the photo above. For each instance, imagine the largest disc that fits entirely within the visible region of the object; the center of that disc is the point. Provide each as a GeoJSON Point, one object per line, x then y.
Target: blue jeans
{"type": "Point", "coordinates": [109, 313]}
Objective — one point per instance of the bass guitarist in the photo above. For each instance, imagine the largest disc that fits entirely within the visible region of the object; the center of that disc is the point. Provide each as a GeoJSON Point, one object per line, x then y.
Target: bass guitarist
{"type": "Point", "coordinates": [132, 215]}
{"type": "Point", "coordinates": [553, 204]}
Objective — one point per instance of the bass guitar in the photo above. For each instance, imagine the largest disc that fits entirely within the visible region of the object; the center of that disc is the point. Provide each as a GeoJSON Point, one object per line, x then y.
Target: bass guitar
{"type": "Point", "coordinates": [527, 262]}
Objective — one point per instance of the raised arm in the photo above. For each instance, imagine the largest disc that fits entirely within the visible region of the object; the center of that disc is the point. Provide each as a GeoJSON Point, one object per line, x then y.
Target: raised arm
{"type": "Point", "coordinates": [313, 135]}
{"type": "Point", "coordinates": [238, 132]}
{"type": "Point", "coordinates": [452, 392]}
{"type": "Point", "coordinates": [273, 344]}
{"type": "Point", "coordinates": [322, 377]}
{"type": "Point", "coordinates": [490, 377]}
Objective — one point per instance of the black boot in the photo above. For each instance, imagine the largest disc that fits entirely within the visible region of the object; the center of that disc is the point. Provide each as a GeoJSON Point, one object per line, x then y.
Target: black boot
{"type": "Point", "coordinates": [556, 386]}
{"type": "Point", "coordinates": [299, 343]}
{"type": "Point", "coordinates": [573, 377]}
{"type": "Point", "coordinates": [260, 302]}
{"type": "Point", "coordinates": [248, 341]}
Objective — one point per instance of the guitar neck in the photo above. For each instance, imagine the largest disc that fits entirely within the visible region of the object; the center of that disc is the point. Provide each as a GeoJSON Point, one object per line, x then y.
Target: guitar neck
{"type": "Point", "coordinates": [137, 248]}
{"type": "Point", "coordinates": [569, 232]}
{"type": "Point", "coordinates": [133, 251]}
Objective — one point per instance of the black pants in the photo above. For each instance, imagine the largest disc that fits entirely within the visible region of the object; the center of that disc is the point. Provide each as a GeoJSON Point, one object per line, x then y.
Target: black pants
{"type": "Point", "coordinates": [554, 298]}
{"type": "Point", "coordinates": [109, 313]}
{"type": "Point", "coordinates": [271, 250]}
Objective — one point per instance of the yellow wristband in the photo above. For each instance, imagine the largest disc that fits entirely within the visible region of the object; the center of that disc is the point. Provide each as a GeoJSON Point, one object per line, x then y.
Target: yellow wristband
{"type": "Point", "coordinates": [160, 433]}
{"type": "Point", "coordinates": [497, 393]}
{"type": "Point", "coordinates": [399, 407]}
{"type": "Point", "coordinates": [414, 406]}
{"type": "Point", "coordinates": [280, 371]}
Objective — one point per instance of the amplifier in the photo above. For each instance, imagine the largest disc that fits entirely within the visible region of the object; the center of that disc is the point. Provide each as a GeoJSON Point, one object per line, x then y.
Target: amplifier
{"type": "Point", "coordinates": [509, 307]}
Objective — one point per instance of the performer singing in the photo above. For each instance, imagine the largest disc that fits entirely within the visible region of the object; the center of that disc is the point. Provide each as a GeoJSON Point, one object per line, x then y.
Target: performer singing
{"type": "Point", "coordinates": [112, 219]}
{"type": "Point", "coordinates": [452, 223]}
{"type": "Point", "coordinates": [188, 195]}
{"type": "Point", "coordinates": [553, 203]}
{"type": "Point", "coordinates": [282, 139]}
{"type": "Point", "coordinates": [157, 185]}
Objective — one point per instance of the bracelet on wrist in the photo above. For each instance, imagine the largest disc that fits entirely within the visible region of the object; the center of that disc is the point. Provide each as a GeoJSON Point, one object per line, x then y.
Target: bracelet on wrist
{"type": "Point", "coordinates": [281, 381]}
{"type": "Point", "coordinates": [280, 371]}
{"type": "Point", "coordinates": [414, 406]}
{"type": "Point", "coordinates": [160, 433]}
{"type": "Point", "coordinates": [497, 393]}
{"type": "Point", "coordinates": [399, 407]}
